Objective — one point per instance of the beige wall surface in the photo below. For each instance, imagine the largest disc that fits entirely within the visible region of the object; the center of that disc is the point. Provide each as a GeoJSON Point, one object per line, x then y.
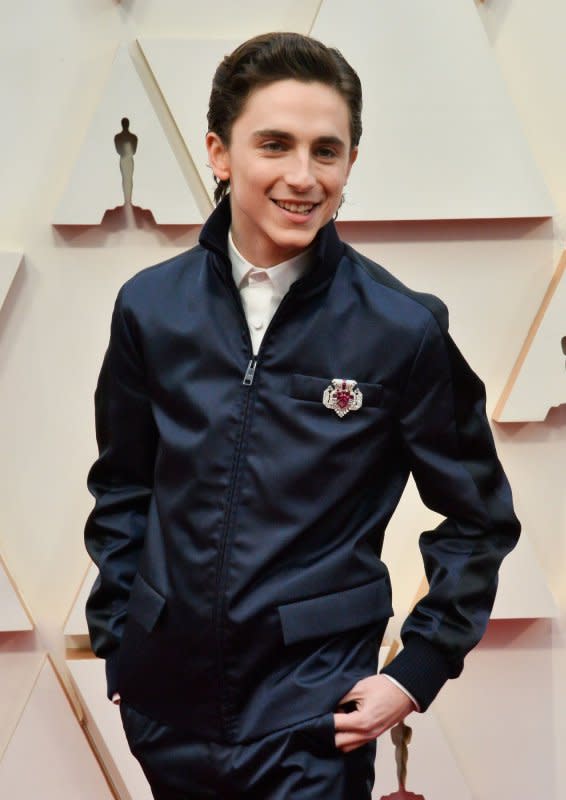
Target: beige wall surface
{"type": "Point", "coordinates": [505, 718]}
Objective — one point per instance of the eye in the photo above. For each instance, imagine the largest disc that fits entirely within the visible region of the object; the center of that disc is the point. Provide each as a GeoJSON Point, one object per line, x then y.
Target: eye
{"type": "Point", "coordinates": [273, 146]}
{"type": "Point", "coordinates": [326, 153]}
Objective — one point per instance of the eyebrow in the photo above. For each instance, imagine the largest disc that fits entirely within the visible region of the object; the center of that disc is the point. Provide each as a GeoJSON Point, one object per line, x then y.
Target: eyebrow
{"type": "Point", "coordinates": [268, 133]}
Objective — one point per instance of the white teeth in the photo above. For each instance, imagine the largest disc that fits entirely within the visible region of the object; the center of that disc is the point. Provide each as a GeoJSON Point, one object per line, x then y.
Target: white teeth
{"type": "Point", "coordinates": [296, 208]}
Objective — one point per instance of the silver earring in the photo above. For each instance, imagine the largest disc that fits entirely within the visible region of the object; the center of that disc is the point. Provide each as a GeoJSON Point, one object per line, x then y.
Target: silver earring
{"type": "Point", "coordinates": [340, 204]}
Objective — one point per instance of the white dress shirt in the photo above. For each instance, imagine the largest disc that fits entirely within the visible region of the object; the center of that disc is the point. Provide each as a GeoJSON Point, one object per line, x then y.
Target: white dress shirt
{"type": "Point", "coordinates": [263, 288]}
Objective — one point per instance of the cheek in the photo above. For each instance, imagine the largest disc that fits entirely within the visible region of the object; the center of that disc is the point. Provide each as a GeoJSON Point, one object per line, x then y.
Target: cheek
{"type": "Point", "coordinates": [334, 193]}
{"type": "Point", "coordinates": [252, 177]}
{"type": "Point", "coordinates": [334, 184]}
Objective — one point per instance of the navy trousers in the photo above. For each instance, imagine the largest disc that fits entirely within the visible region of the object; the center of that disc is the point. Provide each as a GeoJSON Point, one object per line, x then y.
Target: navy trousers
{"type": "Point", "coordinates": [300, 762]}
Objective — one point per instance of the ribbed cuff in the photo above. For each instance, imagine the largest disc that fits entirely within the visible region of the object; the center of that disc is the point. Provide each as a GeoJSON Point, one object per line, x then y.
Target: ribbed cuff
{"type": "Point", "coordinates": [112, 674]}
{"type": "Point", "coordinates": [422, 669]}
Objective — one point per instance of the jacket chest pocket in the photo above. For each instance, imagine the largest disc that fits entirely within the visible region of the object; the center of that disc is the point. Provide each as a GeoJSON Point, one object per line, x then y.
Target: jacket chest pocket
{"type": "Point", "coordinates": [351, 438]}
{"type": "Point", "coordinates": [312, 389]}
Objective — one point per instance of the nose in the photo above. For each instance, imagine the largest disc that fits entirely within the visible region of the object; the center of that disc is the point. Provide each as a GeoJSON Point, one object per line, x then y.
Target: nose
{"type": "Point", "coordinates": [299, 175]}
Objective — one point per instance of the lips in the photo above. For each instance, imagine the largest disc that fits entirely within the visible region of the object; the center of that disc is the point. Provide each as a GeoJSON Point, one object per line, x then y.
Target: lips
{"type": "Point", "coordinates": [295, 208]}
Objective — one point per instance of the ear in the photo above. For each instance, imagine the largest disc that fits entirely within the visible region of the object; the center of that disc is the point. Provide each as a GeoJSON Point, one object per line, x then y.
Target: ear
{"type": "Point", "coordinates": [218, 156]}
{"type": "Point", "coordinates": [353, 156]}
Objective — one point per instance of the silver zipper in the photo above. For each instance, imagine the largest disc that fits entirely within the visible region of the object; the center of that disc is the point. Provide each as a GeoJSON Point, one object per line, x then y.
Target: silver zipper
{"type": "Point", "coordinates": [250, 372]}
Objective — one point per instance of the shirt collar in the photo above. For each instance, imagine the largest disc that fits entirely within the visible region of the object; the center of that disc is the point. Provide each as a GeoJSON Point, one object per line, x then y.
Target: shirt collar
{"type": "Point", "coordinates": [281, 275]}
{"type": "Point", "coordinates": [328, 249]}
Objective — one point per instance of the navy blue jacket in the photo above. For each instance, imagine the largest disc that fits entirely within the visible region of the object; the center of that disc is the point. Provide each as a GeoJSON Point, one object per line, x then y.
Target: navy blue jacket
{"type": "Point", "coordinates": [239, 522]}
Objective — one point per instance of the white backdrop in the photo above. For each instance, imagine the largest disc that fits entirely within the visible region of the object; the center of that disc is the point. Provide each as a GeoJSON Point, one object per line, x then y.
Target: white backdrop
{"type": "Point", "coordinates": [505, 718]}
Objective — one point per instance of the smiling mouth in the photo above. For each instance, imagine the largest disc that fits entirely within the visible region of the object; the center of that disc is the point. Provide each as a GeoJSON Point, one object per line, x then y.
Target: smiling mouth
{"type": "Point", "coordinates": [296, 208]}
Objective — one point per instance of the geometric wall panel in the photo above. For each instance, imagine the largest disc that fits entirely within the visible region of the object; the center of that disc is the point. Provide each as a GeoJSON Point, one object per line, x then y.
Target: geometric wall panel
{"type": "Point", "coordinates": [432, 769]}
{"type": "Point", "coordinates": [159, 183]}
{"type": "Point", "coordinates": [105, 729]}
{"type": "Point", "coordinates": [188, 99]}
{"type": "Point", "coordinates": [523, 591]}
{"type": "Point", "coordinates": [13, 613]}
{"type": "Point", "coordinates": [441, 137]}
{"type": "Point", "coordinates": [48, 756]}
{"type": "Point", "coordinates": [9, 264]}
{"type": "Point", "coordinates": [537, 381]}
{"type": "Point", "coordinates": [18, 673]}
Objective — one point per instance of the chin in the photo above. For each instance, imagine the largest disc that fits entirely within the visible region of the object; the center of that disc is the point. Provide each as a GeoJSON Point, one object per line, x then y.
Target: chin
{"type": "Point", "coordinates": [297, 243]}
{"type": "Point", "coordinates": [302, 238]}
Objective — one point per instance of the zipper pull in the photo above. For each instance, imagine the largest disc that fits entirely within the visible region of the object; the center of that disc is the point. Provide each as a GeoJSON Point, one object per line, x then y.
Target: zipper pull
{"type": "Point", "coordinates": [250, 372]}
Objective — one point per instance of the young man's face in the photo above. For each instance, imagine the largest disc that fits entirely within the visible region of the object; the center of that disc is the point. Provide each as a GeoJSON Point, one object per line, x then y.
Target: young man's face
{"type": "Point", "coordinates": [287, 163]}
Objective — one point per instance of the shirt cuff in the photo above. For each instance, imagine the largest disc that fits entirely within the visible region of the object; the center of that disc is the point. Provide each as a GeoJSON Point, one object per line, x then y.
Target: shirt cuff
{"type": "Point", "coordinates": [405, 691]}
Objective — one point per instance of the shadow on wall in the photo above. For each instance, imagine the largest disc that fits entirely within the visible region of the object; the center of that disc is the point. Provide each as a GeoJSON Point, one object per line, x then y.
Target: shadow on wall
{"type": "Point", "coordinates": [529, 634]}
{"type": "Point", "coordinates": [119, 220]}
{"type": "Point", "coordinates": [493, 14]}
{"type": "Point", "coordinates": [8, 317]}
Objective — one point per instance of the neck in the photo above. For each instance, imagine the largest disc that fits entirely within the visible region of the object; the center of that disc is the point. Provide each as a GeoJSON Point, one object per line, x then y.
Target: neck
{"type": "Point", "coordinates": [264, 261]}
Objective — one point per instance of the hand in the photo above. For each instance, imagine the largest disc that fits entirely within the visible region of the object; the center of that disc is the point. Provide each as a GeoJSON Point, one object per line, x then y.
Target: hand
{"type": "Point", "coordinates": [116, 699]}
{"type": "Point", "coordinates": [379, 705]}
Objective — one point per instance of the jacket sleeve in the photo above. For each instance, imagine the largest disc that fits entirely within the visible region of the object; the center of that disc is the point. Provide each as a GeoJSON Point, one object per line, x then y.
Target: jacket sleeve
{"type": "Point", "coordinates": [452, 456]}
{"type": "Point", "coordinates": [121, 482]}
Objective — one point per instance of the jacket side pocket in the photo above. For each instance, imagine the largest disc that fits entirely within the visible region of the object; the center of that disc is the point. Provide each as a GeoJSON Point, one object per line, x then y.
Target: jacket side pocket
{"type": "Point", "coordinates": [145, 604]}
{"type": "Point", "coordinates": [335, 613]}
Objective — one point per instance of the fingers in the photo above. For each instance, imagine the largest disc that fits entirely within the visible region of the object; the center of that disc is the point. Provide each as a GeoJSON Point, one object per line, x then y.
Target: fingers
{"type": "Point", "coordinates": [355, 729]}
{"type": "Point", "coordinates": [354, 721]}
{"type": "Point", "coordinates": [354, 737]}
{"type": "Point", "coordinates": [353, 744]}
{"type": "Point", "coordinates": [378, 705]}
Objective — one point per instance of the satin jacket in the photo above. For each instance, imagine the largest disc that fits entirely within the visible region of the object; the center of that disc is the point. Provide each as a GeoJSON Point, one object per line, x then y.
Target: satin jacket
{"type": "Point", "coordinates": [239, 520]}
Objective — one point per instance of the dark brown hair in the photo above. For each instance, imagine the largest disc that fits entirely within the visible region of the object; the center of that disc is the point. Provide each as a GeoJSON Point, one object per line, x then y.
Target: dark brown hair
{"type": "Point", "coordinates": [273, 57]}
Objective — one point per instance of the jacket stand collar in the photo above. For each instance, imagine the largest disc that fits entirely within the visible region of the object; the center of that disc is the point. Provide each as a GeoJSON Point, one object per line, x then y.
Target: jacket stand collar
{"type": "Point", "coordinates": [327, 252]}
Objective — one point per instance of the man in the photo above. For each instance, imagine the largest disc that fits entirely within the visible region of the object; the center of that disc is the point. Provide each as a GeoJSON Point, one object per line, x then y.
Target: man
{"type": "Point", "coordinates": [261, 404]}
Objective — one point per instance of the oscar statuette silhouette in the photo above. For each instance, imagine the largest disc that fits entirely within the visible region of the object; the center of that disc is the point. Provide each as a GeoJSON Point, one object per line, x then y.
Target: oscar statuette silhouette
{"type": "Point", "coordinates": [126, 144]}
{"type": "Point", "coordinates": [401, 736]}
